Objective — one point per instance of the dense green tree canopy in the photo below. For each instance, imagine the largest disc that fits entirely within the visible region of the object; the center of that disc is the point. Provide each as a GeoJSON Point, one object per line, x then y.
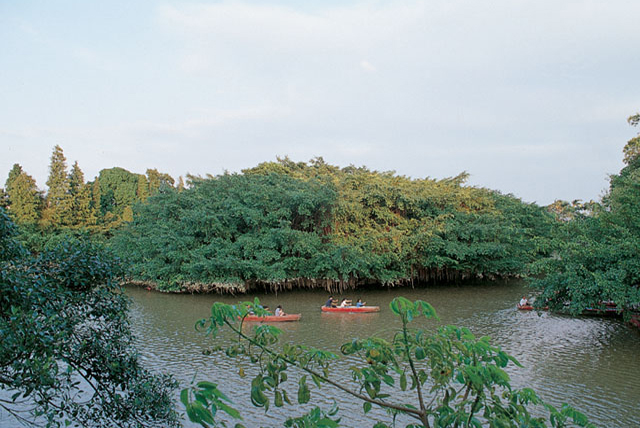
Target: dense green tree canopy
{"type": "Point", "coordinates": [24, 201]}
{"type": "Point", "coordinates": [59, 202]}
{"type": "Point", "coordinates": [596, 249]}
{"type": "Point", "coordinates": [13, 174]}
{"type": "Point", "coordinates": [83, 212]}
{"type": "Point", "coordinates": [234, 228]}
{"type": "Point", "coordinates": [67, 353]}
{"type": "Point", "coordinates": [158, 179]}
{"type": "Point", "coordinates": [117, 190]}
{"type": "Point", "coordinates": [287, 223]}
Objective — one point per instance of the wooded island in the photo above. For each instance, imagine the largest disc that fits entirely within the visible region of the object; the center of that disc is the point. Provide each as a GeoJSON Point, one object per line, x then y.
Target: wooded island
{"type": "Point", "coordinates": [285, 224]}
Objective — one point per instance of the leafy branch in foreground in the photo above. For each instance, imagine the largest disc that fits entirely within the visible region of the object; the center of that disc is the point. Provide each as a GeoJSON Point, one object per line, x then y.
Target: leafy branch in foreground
{"type": "Point", "coordinates": [446, 378]}
{"type": "Point", "coordinates": [67, 354]}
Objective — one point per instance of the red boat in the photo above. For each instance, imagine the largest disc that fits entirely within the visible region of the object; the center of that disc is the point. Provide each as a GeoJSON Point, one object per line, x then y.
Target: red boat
{"type": "Point", "coordinates": [273, 318]}
{"type": "Point", "coordinates": [352, 309]}
{"type": "Point", "coordinates": [524, 307]}
{"type": "Point", "coordinates": [610, 309]}
{"type": "Point", "coordinates": [529, 307]}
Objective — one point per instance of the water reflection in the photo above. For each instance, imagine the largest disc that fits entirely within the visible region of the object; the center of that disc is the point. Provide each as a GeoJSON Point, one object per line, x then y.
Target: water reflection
{"type": "Point", "coordinates": [591, 363]}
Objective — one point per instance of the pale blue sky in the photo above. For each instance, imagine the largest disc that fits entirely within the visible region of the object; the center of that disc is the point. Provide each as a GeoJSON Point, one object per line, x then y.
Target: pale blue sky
{"type": "Point", "coordinates": [529, 97]}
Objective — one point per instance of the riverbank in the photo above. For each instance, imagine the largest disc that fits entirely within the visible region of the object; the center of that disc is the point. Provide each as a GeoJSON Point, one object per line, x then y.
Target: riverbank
{"type": "Point", "coordinates": [332, 286]}
{"type": "Point", "coordinates": [189, 287]}
{"type": "Point", "coordinates": [635, 320]}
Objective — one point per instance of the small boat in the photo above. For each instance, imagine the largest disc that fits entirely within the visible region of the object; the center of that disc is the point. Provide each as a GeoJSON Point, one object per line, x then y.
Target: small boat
{"type": "Point", "coordinates": [610, 309]}
{"type": "Point", "coordinates": [524, 307]}
{"type": "Point", "coordinates": [529, 307]}
{"type": "Point", "coordinates": [351, 309]}
{"type": "Point", "coordinates": [272, 318]}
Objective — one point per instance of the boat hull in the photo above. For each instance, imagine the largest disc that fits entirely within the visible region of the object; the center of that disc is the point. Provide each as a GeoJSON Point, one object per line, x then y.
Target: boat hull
{"type": "Point", "coordinates": [273, 318]}
{"type": "Point", "coordinates": [524, 307]}
{"type": "Point", "coordinates": [352, 309]}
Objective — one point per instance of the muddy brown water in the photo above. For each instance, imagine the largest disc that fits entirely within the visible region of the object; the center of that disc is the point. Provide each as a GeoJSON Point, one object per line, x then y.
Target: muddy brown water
{"type": "Point", "coordinates": [591, 363]}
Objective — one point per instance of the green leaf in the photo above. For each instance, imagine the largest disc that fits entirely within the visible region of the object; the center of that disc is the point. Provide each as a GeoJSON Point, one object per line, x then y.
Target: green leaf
{"type": "Point", "coordinates": [278, 400]}
{"type": "Point", "coordinates": [184, 397]}
{"type": "Point", "coordinates": [304, 395]}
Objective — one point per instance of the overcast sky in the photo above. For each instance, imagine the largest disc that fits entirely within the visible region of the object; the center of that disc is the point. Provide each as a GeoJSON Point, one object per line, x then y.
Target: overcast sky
{"type": "Point", "coordinates": [529, 97]}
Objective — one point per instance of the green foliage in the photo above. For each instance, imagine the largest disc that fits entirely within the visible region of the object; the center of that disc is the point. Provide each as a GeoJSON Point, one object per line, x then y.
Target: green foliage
{"type": "Point", "coordinates": [157, 180]}
{"type": "Point", "coordinates": [24, 199]}
{"type": "Point", "coordinates": [118, 189]}
{"type": "Point", "coordinates": [59, 202]}
{"type": "Point", "coordinates": [298, 223]}
{"type": "Point", "coordinates": [203, 401]}
{"type": "Point", "coordinates": [10, 248]}
{"type": "Point", "coordinates": [595, 261]}
{"type": "Point", "coordinates": [234, 228]}
{"type": "Point", "coordinates": [4, 199]}
{"type": "Point", "coordinates": [143, 188]}
{"type": "Point", "coordinates": [316, 418]}
{"type": "Point", "coordinates": [446, 378]}
{"type": "Point", "coordinates": [16, 170]}
{"type": "Point", "coordinates": [289, 223]}
{"type": "Point", "coordinates": [83, 214]}
{"type": "Point", "coordinates": [67, 353]}
{"type": "Point", "coordinates": [632, 148]}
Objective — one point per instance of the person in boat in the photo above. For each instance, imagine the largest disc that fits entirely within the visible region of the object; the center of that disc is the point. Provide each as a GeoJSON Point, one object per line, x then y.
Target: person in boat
{"type": "Point", "coordinates": [279, 311]}
{"type": "Point", "coordinates": [344, 303]}
{"type": "Point", "coordinates": [329, 302]}
{"type": "Point", "coordinates": [524, 301]}
{"type": "Point", "coordinates": [359, 303]}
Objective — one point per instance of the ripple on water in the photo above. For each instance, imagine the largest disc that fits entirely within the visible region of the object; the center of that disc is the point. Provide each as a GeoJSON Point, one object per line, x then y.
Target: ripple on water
{"type": "Point", "coordinates": [590, 363]}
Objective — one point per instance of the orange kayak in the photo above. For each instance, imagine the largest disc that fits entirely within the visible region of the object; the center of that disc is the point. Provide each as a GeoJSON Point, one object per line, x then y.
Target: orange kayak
{"type": "Point", "coordinates": [273, 318]}
{"type": "Point", "coordinates": [352, 309]}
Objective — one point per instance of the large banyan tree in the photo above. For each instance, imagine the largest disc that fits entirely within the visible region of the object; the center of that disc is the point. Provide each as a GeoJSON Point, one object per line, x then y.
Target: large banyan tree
{"type": "Point", "coordinates": [285, 224]}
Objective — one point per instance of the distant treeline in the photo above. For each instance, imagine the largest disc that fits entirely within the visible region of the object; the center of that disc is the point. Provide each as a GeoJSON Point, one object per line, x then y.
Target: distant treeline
{"type": "Point", "coordinates": [98, 206]}
{"type": "Point", "coordinates": [285, 224]}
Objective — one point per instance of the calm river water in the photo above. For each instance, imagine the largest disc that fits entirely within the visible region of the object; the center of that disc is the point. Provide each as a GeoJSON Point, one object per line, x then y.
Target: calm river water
{"type": "Point", "coordinates": [590, 363]}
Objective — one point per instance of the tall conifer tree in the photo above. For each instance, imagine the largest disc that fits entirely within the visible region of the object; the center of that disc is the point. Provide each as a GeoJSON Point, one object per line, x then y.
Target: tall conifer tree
{"type": "Point", "coordinates": [96, 195]}
{"type": "Point", "coordinates": [157, 179]}
{"type": "Point", "coordinates": [59, 202]}
{"type": "Point", "coordinates": [25, 201]}
{"type": "Point", "coordinates": [13, 174]}
{"type": "Point", "coordinates": [81, 198]}
{"type": "Point", "coordinates": [143, 188]}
